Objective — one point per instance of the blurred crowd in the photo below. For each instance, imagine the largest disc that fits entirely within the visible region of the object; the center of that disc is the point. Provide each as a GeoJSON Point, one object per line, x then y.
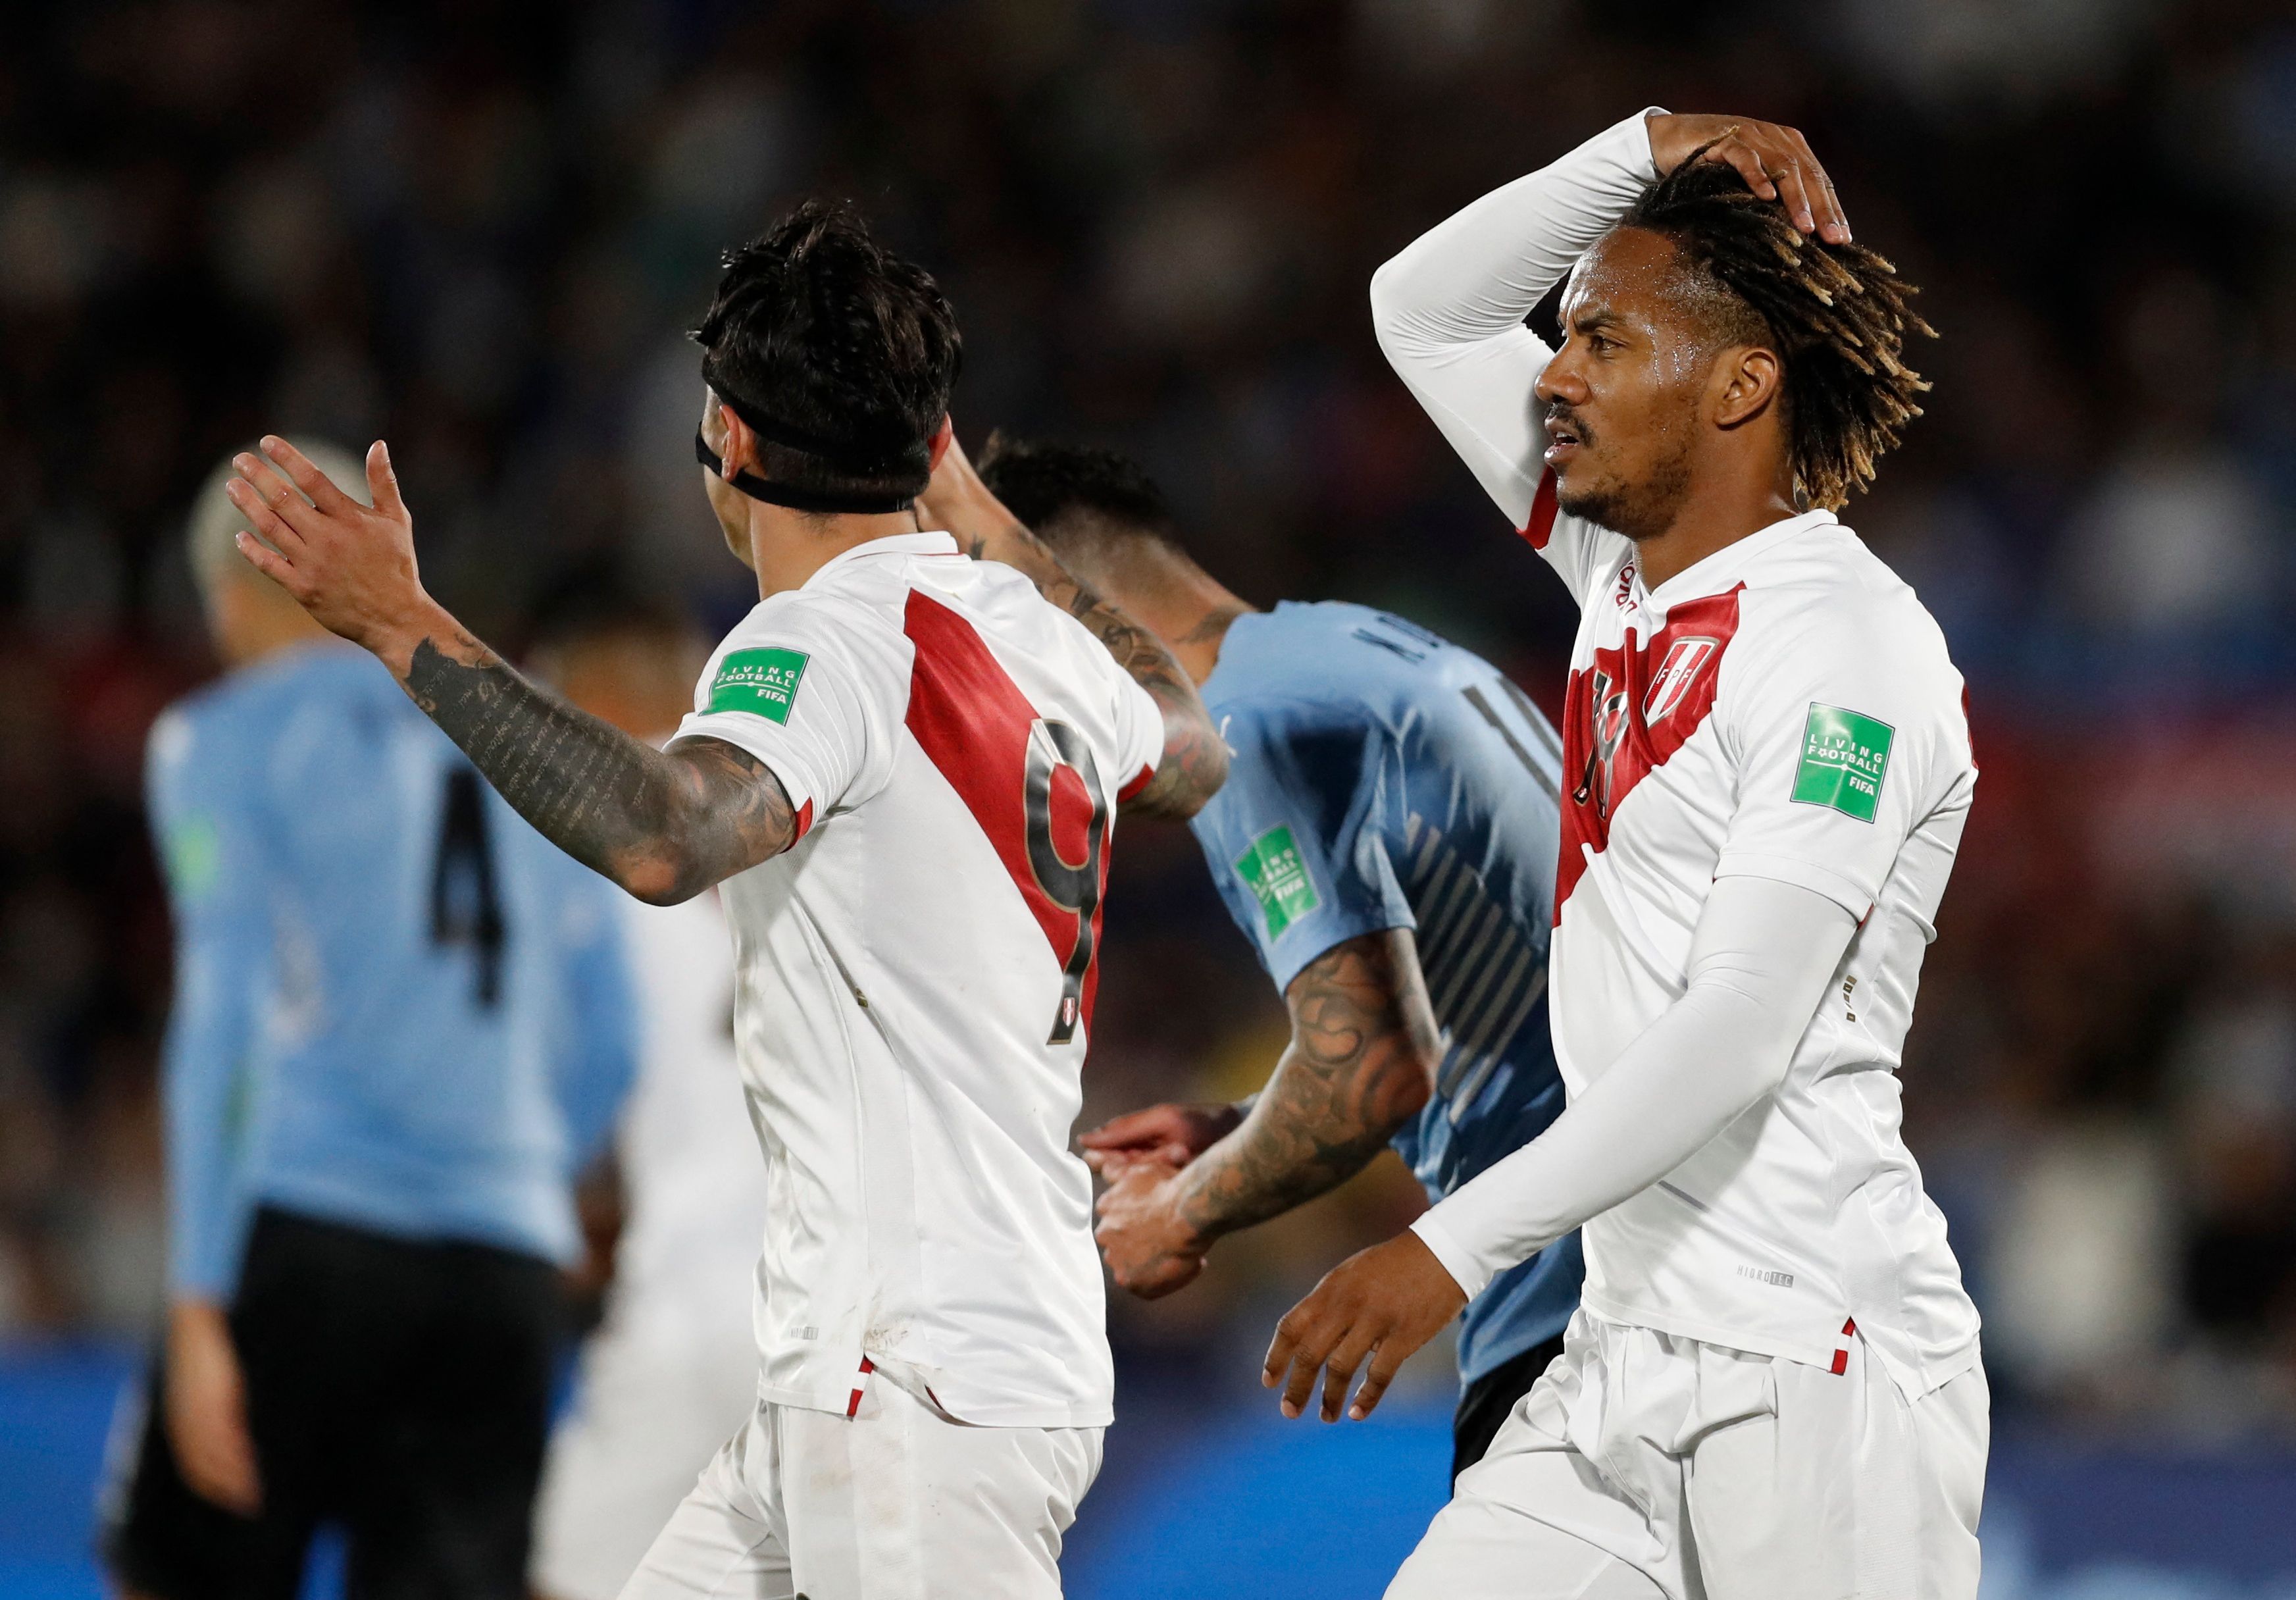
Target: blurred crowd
{"type": "Point", "coordinates": [478, 229]}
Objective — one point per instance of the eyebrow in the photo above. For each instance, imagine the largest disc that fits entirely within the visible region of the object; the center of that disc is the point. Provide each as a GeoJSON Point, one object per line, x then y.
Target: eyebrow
{"type": "Point", "coordinates": [1594, 319]}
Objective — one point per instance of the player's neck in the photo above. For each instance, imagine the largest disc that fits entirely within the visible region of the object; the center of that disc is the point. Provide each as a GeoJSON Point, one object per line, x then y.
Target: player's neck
{"type": "Point", "coordinates": [787, 548]}
{"type": "Point", "coordinates": [1719, 508]}
{"type": "Point", "coordinates": [1189, 610]}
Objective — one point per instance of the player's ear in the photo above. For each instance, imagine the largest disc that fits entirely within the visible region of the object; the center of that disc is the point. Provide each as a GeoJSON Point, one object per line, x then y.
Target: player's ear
{"type": "Point", "coordinates": [1746, 383]}
{"type": "Point", "coordinates": [741, 442]}
{"type": "Point", "coordinates": [941, 438]}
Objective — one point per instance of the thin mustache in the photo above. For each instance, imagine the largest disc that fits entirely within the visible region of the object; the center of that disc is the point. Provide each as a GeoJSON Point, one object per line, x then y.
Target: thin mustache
{"type": "Point", "coordinates": [1568, 418]}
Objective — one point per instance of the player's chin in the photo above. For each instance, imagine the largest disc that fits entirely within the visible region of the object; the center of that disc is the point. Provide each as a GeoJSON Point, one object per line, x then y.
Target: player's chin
{"type": "Point", "coordinates": [1586, 493]}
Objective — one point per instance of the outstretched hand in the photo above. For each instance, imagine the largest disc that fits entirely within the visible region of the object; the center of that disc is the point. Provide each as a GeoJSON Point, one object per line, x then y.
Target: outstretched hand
{"type": "Point", "coordinates": [1383, 1303]}
{"type": "Point", "coordinates": [1172, 1134]}
{"type": "Point", "coordinates": [351, 566]}
{"type": "Point", "coordinates": [1774, 161]}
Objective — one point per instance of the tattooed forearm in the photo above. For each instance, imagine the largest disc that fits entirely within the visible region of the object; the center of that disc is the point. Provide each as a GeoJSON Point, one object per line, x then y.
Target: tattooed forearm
{"type": "Point", "coordinates": [1195, 758]}
{"type": "Point", "coordinates": [664, 825]}
{"type": "Point", "coordinates": [1195, 764]}
{"type": "Point", "coordinates": [1363, 1045]}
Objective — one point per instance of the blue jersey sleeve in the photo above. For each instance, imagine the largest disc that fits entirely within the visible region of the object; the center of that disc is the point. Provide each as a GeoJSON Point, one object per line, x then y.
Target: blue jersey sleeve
{"type": "Point", "coordinates": [597, 1055]}
{"type": "Point", "coordinates": [208, 837]}
{"type": "Point", "coordinates": [1294, 835]}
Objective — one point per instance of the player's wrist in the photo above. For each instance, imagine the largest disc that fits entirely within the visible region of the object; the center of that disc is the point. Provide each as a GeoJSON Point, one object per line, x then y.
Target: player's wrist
{"type": "Point", "coordinates": [395, 639]}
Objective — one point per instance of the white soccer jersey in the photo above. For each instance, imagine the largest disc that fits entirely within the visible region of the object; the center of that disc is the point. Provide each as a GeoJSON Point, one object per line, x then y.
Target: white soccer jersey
{"type": "Point", "coordinates": [915, 976]}
{"type": "Point", "coordinates": [1784, 709]}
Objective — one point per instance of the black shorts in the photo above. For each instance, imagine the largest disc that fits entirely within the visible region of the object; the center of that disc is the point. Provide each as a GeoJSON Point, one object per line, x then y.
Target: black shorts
{"type": "Point", "coordinates": [398, 1389]}
{"type": "Point", "coordinates": [1485, 1403]}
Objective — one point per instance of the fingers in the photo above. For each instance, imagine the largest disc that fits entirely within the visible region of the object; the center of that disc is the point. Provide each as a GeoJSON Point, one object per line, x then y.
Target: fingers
{"type": "Point", "coordinates": [1832, 221]}
{"type": "Point", "coordinates": [1386, 1361]}
{"type": "Point", "coordinates": [1285, 1344]}
{"type": "Point", "coordinates": [266, 560]}
{"type": "Point", "coordinates": [1306, 1361]}
{"type": "Point", "coordinates": [301, 470]}
{"type": "Point", "coordinates": [383, 482]}
{"type": "Point", "coordinates": [265, 522]}
{"type": "Point", "coordinates": [1141, 1129]}
{"type": "Point", "coordinates": [1314, 1336]}
{"type": "Point", "coordinates": [269, 501]}
{"type": "Point", "coordinates": [1733, 150]}
{"type": "Point", "coordinates": [1793, 192]}
{"type": "Point", "coordinates": [1778, 164]}
{"type": "Point", "coordinates": [1340, 1369]}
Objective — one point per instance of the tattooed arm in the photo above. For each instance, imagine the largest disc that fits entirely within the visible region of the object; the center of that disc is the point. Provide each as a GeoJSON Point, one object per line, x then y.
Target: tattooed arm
{"type": "Point", "coordinates": [1360, 1064]}
{"type": "Point", "coordinates": [1195, 760]}
{"type": "Point", "coordinates": [664, 825]}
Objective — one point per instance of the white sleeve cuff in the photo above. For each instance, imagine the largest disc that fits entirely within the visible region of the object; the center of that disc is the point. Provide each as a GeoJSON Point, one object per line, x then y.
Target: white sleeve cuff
{"type": "Point", "coordinates": [1843, 890]}
{"type": "Point", "coordinates": [1465, 1271]}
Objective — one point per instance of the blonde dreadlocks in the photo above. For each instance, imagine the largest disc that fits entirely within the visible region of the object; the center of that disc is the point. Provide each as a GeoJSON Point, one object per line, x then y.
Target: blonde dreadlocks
{"type": "Point", "coordinates": [1838, 316]}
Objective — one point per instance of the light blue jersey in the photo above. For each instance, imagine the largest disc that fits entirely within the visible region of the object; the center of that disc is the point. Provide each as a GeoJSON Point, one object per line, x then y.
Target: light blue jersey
{"type": "Point", "coordinates": [397, 1005]}
{"type": "Point", "coordinates": [1384, 778]}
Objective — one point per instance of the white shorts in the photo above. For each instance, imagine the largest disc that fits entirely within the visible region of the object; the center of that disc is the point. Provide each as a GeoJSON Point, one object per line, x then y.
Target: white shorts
{"type": "Point", "coordinates": [1643, 1465]}
{"type": "Point", "coordinates": [648, 1414]}
{"type": "Point", "coordinates": [898, 1502]}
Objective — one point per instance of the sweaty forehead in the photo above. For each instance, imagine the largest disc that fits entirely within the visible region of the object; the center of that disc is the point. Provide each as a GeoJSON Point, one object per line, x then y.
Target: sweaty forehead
{"type": "Point", "coordinates": [1642, 279]}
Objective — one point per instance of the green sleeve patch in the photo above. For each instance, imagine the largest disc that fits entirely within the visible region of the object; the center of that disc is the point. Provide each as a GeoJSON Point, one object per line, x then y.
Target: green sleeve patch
{"type": "Point", "coordinates": [193, 848]}
{"type": "Point", "coordinates": [762, 682]}
{"type": "Point", "coordinates": [1844, 758]}
{"type": "Point", "coordinates": [1278, 880]}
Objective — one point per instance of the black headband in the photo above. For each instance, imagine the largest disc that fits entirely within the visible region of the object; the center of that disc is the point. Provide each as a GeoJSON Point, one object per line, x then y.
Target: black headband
{"type": "Point", "coordinates": [796, 499]}
{"type": "Point", "coordinates": [868, 460]}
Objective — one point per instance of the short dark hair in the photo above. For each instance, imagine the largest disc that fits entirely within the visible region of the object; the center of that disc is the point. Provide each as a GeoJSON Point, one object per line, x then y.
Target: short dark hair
{"type": "Point", "coordinates": [1047, 485]}
{"type": "Point", "coordinates": [835, 339]}
{"type": "Point", "coordinates": [1838, 314]}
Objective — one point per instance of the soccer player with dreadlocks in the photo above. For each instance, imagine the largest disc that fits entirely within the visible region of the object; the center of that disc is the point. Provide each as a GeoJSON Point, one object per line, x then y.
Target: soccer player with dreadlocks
{"type": "Point", "coordinates": [1772, 1386]}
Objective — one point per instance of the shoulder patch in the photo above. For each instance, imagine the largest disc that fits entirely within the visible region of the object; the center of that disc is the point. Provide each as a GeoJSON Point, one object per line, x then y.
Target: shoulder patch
{"type": "Point", "coordinates": [763, 682]}
{"type": "Point", "coordinates": [1845, 759]}
{"type": "Point", "coordinates": [1278, 880]}
{"type": "Point", "coordinates": [193, 850]}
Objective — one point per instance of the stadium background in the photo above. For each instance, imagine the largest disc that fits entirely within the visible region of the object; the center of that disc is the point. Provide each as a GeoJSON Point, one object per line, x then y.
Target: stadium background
{"type": "Point", "coordinates": [478, 227]}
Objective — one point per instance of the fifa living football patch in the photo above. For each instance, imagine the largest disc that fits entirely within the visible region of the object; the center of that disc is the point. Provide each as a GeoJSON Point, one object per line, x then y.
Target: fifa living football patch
{"type": "Point", "coordinates": [1278, 880]}
{"type": "Point", "coordinates": [194, 849]}
{"type": "Point", "coordinates": [1844, 758]}
{"type": "Point", "coordinates": [762, 682]}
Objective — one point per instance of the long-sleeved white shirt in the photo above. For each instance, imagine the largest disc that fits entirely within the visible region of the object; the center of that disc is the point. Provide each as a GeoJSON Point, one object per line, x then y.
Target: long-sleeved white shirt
{"type": "Point", "coordinates": [1766, 770]}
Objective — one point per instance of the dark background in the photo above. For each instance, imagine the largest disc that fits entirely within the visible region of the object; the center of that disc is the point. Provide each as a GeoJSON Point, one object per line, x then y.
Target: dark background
{"type": "Point", "coordinates": [477, 229]}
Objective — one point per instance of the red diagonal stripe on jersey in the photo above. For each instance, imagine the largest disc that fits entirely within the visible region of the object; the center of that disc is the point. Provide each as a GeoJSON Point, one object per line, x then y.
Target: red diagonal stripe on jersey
{"type": "Point", "coordinates": [973, 722]}
{"type": "Point", "coordinates": [1539, 526]}
{"type": "Point", "coordinates": [1608, 749]}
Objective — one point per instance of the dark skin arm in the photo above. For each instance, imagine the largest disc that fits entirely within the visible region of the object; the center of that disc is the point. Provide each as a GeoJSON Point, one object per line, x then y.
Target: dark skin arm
{"type": "Point", "coordinates": [1195, 761]}
{"type": "Point", "coordinates": [664, 825]}
{"type": "Point", "coordinates": [1361, 1063]}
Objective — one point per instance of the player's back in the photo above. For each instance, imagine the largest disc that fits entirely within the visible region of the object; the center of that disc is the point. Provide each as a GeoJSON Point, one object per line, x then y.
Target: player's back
{"type": "Point", "coordinates": [915, 976]}
{"type": "Point", "coordinates": [1384, 778]}
{"type": "Point", "coordinates": [430, 982]}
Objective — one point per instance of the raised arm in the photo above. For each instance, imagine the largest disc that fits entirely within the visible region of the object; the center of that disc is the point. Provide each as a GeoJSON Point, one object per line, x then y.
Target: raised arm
{"type": "Point", "coordinates": [1360, 1064]}
{"type": "Point", "coordinates": [663, 824]}
{"type": "Point", "coordinates": [1195, 761]}
{"type": "Point", "coordinates": [1448, 310]}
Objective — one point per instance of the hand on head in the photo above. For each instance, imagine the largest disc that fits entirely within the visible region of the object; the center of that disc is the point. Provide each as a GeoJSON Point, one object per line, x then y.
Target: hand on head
{"type": "Point", "coordinates": [1774, 161]}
